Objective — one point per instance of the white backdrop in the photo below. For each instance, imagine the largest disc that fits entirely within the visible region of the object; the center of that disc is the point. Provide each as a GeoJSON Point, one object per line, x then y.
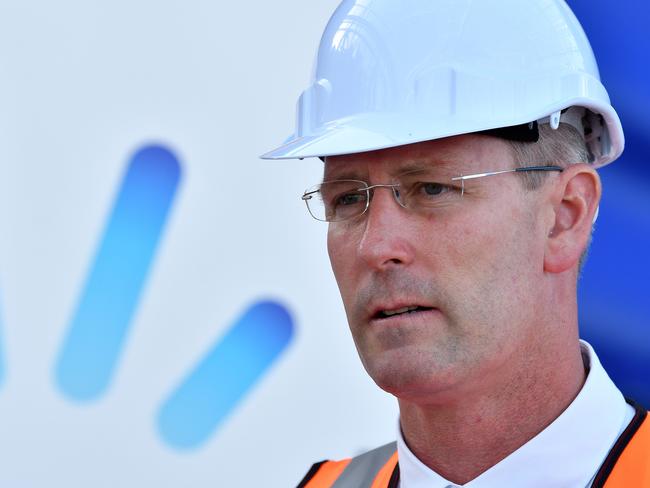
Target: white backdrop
{"type": "Point", "coordinates": [85, 84]}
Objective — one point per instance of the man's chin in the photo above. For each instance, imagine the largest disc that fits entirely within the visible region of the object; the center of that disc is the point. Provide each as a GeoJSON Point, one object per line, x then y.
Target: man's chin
{"type": "Point", "coordinates": [414, 382]}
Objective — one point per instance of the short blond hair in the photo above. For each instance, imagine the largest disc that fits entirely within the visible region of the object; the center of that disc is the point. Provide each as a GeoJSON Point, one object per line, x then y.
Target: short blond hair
{"type": "Point", "coordinates": [562, 146]}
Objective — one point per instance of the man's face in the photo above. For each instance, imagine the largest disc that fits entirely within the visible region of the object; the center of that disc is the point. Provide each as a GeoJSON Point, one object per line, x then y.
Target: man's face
{"type": "Point", "coordinates": [472, 268]}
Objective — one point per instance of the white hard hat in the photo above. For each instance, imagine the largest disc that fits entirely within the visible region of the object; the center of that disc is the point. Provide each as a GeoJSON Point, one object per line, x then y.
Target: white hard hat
{"type": "Point", "coordinates": [390, 73]}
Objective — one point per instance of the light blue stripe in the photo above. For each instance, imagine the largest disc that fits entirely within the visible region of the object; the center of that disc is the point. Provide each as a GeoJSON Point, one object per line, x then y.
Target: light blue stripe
{"type": "Point", "coordinates": [98, 329]}
{"type": "Point", "coordinates": [220, 381]}
{"type": "Point", "coordinates": [2, 358]}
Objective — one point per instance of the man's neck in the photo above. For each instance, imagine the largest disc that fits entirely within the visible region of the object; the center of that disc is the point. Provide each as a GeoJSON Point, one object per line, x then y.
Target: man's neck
{"type": "Point", "coordinates": [461, 439]}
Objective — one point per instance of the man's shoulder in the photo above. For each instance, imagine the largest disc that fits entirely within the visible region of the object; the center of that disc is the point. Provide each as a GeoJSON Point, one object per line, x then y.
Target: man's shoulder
{"type": "Point", "coordinates": [377, 464]}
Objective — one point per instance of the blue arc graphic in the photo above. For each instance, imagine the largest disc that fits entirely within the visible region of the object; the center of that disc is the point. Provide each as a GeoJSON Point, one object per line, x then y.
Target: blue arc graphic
{"type": "Point", "coordinates": [225, 375]}
{"type": "Point", "coordinates": [99, 326]}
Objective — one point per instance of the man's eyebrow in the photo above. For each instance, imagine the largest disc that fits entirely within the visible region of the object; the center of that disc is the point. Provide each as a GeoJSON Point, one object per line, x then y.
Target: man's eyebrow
{"type": "Point", "coordinates": [420, 165]}
{"type": "Point", "coordinates": [412, 166]}
{"type": "Point", "coordinates": [346, 174]}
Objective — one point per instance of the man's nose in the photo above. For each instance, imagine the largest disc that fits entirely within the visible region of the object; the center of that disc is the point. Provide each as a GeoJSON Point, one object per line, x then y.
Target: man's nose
{"type": "Point", "coordinates": [385, 237]}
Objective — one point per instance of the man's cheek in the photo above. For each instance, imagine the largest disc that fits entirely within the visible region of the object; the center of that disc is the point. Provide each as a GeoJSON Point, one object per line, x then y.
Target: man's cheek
{"type": "Point", "coordinates": [467, 247]}
{"type": "Point", "coordinates": [343, 269]}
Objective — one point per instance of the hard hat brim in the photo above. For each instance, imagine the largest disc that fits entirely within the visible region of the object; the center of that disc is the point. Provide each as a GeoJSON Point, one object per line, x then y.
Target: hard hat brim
{"type": "Point", "coordinates": [371, 132]}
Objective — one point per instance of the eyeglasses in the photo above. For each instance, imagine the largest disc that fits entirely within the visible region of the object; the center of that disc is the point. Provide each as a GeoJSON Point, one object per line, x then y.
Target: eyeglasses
{"type": "Point", "coordinates": [419, 190]}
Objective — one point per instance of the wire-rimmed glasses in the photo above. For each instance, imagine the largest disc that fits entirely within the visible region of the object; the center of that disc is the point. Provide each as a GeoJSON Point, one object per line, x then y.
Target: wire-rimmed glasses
{"type": "Point", "coordinates": [419, 190]}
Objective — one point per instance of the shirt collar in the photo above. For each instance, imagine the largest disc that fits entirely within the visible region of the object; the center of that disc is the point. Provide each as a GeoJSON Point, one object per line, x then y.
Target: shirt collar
{"type": "Point", "coordinates": [566, 453]}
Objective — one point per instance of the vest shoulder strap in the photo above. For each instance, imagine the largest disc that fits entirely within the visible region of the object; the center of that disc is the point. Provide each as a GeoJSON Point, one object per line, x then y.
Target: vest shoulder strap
{"type": "Point", "coordinates": [374, 469]}
{"type": "Point", "coordinates": [628, 463]}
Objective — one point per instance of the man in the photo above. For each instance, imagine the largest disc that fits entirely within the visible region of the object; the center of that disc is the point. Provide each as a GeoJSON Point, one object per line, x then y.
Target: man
{"type": "Point", "coordinates": [460, 142]}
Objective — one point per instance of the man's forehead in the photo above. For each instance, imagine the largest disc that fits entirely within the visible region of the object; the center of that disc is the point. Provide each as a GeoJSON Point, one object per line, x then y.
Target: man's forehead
{"type": "Point", "coordinates": [448, 153]}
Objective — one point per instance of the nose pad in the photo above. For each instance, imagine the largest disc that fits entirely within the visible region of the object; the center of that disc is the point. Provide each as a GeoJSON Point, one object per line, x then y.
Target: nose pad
{"type": "Point", "coordinates": [398, 196]}
{"type": "Point", "coordinates": [394, 189]}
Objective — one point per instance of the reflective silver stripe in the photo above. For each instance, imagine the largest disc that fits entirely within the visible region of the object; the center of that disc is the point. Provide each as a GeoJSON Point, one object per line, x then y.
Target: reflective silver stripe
{"type": "Point", "coordinates": [363, 469]}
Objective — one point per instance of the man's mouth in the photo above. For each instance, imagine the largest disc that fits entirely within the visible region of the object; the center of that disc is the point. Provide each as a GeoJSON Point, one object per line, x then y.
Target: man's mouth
{"type": "Point", "coordinates": [384, 314]}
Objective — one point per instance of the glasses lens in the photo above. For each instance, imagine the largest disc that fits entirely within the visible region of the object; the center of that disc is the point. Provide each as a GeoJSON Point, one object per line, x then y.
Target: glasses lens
{"type": "Point", "coordinates": [334, 201]}
{"type": "Point", "coordinates": [420, 190]}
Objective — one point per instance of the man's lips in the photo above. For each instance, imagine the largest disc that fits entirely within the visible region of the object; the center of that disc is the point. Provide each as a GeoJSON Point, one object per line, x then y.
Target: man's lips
{"type": "Point", "coordinates": [383, 312]}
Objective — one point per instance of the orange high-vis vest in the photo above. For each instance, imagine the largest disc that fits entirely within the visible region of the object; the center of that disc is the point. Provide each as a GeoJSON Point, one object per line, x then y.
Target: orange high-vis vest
{"type": "Point", "coordinates": [626, 466]}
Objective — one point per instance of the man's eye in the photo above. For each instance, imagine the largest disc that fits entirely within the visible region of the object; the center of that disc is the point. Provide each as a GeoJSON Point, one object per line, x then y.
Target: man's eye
{"type": "Point", "coordinates": [350, 199]}
{"type": "Point", "coordinates": [431, 189]}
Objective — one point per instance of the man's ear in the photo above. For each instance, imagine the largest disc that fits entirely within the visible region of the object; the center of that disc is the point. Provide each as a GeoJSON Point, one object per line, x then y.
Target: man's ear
{"type": "Point", "coordinates": [575, 202]}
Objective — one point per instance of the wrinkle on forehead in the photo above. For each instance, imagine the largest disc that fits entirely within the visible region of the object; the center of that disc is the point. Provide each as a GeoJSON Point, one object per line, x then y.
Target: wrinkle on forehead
{"type": "Point", "coordinates": [450, 152]}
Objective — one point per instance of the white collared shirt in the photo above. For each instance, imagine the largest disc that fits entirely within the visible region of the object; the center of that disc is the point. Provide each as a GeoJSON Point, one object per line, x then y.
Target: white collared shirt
{"type": "Point", "coordinates": [567, 453]}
